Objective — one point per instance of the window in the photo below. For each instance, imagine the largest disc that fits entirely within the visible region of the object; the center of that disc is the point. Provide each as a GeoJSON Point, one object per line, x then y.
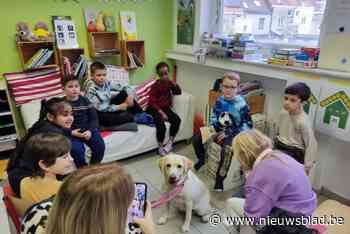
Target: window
{"type": "Point", "coordinates": [280, 21]}
{"type": "Point", "coordinates": [287, 22]}
{"type": "Point", "coordinates": [245, 27]}
{"type": "Point", "coordinates": [261, 23]}
{"type": "Point", "coordinates": [303, 20]}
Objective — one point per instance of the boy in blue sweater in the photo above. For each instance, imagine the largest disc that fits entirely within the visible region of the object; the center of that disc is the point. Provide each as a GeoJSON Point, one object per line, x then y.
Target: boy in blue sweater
{"type": "Point", "coordinates": [237, 108]}
{"type": "Point", "coordinates": [85, 119]}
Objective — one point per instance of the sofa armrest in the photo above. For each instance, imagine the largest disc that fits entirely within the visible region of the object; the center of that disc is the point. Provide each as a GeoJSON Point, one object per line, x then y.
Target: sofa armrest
{"type": "Point", "coordinates": [183, 106]}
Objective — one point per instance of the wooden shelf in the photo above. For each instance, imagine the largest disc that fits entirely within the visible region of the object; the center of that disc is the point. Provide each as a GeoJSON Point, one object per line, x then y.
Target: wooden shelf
{"type": "Point", "coordinates": [103, 44]}
{"type": "Point", "coordinates": [71, 54]}
{"type": "Point", "coordinates": [26, 50]}
{"type": "Point", "coordinates": [134, 46]}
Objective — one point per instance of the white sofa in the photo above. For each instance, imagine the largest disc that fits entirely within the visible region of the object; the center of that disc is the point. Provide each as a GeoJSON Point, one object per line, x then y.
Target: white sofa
{"type": "Point", "coordinates": [122, 144]}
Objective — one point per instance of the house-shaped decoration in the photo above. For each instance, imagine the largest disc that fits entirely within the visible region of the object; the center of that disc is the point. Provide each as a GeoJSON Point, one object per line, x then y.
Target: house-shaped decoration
{"type": "Point", "coordinates": [338, 106]}
{"type": "Point", "coordinates": [312, 100]}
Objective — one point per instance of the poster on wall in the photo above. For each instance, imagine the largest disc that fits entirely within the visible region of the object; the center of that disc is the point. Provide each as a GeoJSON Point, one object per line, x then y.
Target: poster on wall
{"type": "Point", "coordinates": [332, 117]}
{"type": "Point", "coordinates": [65, 32]}
{"type": "Point", "coordinates": [99, 21]}
{"type": "Point", "coordinates": [314, 82]}
{"type": "Point", "coordinates": [185, 21]}
{"type": "Point", "coordinates": [128, 25]}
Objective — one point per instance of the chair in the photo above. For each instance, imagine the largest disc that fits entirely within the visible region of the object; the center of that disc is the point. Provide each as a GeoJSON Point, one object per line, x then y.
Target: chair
{"type": "Point", "coordinates": [10, 207]}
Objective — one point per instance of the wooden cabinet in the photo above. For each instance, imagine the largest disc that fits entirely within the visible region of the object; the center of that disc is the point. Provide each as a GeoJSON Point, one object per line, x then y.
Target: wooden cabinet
{"type": "Point", "coordinates": [103, 44]}
{"type": "Point", "coordinates": [137, 48]}
{"type": "Point", "coordinates": [8, 134]}
{"type": "Point", "coordinates": [27, 50]}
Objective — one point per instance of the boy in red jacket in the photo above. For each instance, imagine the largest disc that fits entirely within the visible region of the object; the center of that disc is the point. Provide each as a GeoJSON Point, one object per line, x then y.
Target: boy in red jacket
{"type": "Point", "coordinates": [160, 102]}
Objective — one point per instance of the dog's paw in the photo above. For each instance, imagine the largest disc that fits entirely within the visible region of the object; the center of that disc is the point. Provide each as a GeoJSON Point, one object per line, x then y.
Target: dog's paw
{"type": "Point", "coordinates": [162, 220]}
{"type": "Point", "coordinates": [205, 218]}
{"type": "Point", "coordinates": [185, 228]}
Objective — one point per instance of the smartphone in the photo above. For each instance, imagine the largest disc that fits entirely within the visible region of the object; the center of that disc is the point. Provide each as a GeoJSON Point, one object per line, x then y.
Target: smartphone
{"type": "Point", "coordinates": [138, 207]}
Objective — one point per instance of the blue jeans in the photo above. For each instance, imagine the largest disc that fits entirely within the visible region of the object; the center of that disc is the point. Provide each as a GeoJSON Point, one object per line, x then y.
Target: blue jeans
{"type": "Point", "coordinates": [96, 144]}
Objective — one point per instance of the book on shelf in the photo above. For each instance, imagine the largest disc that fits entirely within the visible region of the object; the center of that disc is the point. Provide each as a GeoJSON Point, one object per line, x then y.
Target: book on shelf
{"type": "Point", "coordinates": [131, 61]}
{"type": "Point", "coordinates": [40, 58]}
{"type": "Point", "coordinates": [134, 61]}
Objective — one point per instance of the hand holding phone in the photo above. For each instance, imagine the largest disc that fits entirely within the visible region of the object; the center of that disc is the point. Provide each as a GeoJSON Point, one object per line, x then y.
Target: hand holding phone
{"type": "Point", "coordinates": [137, 208]}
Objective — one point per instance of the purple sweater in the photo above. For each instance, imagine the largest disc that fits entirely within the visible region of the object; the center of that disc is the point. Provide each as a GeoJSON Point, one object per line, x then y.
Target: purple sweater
{"type": "Point", "coordinates": [278, 183]}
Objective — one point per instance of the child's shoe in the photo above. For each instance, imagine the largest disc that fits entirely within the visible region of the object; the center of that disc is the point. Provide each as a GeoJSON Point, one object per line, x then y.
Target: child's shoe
{"type": "Point", "coordinates": [161, 151]}
{"type": "Point", "coordinates": [168, 147]}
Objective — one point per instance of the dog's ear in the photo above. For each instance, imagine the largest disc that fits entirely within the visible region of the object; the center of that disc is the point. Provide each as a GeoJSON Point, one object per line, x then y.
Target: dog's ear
{"type": "Point", "coordinates": [161, 163]}
{"type": "Point", "coordinates": [188, 164]}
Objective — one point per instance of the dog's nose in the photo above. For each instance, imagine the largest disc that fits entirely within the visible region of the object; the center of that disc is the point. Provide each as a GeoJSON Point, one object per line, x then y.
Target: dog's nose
{"type": "Point", "coordinates": [172, 179]}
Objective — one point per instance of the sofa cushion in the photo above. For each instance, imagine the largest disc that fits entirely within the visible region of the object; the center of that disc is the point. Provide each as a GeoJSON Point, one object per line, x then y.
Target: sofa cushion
{"type": "Point", "coordinates": [30, 112]}
{"type": "Point", "coordinates": [142, 93]}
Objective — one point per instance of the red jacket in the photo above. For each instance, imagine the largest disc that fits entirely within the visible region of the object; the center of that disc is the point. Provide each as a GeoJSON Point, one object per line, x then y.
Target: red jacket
{"type": "Point", "coordinates": [161, 94]}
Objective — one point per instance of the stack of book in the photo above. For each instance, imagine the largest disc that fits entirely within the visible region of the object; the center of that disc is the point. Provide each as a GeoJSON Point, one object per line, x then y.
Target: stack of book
{"type": "Point", "coordinates": [77, 69]}
{"type": "Point", "coordinates": [245, 50]}
{"type": "Point", "coordinates": [134, 62]}
{"type": "Point", "coordinates": [40, 58]}
{"type": "Point", "coordinates": [284, 57]}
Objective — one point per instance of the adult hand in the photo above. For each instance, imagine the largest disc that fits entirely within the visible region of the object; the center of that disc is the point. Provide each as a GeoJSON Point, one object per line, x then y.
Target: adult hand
{"type": "Point", "coordinates": [146, 224]}
{"type": "Point", "coordinates": [122, 106]}
{"type": "Point", "coordinates": [87, 135]}
{"type": "Point", "coordinates": [164, 116]}
{"type": "Point", "coordinates": [76, 133]}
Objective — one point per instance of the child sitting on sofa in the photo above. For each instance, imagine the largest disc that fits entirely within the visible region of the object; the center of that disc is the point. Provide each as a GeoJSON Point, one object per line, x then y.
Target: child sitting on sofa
{"type": "Point", "coordinates": [85, 119]}
{"type": "Point", "coordinates": [55, 117]}
{"type": "Point", "coordinates": [238, 109]}
{"type": "Point", "coordinates": [112, 110]}
{"type": "Point", "coordinates": [295, 135]}
{"type": "Point", "coordinates": [159, 107]}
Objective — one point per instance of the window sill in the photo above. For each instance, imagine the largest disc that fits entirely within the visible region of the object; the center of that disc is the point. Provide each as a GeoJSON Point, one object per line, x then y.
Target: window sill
{"type": "Point", "coordinates": [256, 67]}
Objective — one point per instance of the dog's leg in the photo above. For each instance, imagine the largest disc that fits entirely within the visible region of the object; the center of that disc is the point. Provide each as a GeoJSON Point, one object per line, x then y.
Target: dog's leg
{"type": "Point", "coordinates": [186, 225]}
{"type": "Point", "coordinates": [164, 218]}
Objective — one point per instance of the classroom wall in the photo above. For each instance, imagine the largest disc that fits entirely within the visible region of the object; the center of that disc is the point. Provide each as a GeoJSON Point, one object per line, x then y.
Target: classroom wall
{"type": "Point", "coordinates": [154, 25]}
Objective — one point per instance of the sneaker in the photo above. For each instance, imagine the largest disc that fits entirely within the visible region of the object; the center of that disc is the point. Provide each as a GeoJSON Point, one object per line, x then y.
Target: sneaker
{"type": "Point", "coordinates": [198, 165]}
{"type": "Point", "coordinates": [168, 147]}
{"type": "Point", "coordinates": [161, 151]}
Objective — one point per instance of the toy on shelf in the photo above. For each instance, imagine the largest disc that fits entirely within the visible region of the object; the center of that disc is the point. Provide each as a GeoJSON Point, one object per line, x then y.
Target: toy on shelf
{"type": "Point", "coordinates": [283, 56]}
{"type": "Point", "coordinates": [307, 58]}
{"type": "Point", "coordinates": [23, 32]}
{"type": "Point", "coordinates": [41, 32]}
{"type": "Point", "coordinates": [100, 27]}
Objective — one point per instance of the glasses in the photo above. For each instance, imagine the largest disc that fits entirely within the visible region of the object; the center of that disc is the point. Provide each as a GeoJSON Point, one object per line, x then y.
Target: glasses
{"type": "Point", "coordinates": [229, 87]}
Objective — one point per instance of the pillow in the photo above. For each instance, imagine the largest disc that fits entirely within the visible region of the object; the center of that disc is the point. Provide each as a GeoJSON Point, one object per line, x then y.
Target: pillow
{"type": "Point", "coordinates": [142, 93]}
{"type": "Point", "coordinates": [34, 85]}
{"type": "Point", "coordinates": [30, 112]}
{"type": "Point", "coordinates": [128, 127]}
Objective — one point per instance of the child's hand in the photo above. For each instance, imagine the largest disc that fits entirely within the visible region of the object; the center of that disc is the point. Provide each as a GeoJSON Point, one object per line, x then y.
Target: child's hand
{"type": "Point", "coordinates": [146, 224]}
{"type": "Point", "coordinates": [87, 135]}
{"type": "Point", "coordinates": [164, 116]}
{"type": "Point", "coordinates": [76, 133]}
{"type": "Point", "coordinates": [122, 106]}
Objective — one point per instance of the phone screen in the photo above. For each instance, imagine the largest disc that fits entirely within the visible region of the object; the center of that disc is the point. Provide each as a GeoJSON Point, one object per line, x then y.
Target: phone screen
{"type": "Point", "coordinates": [138, 205]}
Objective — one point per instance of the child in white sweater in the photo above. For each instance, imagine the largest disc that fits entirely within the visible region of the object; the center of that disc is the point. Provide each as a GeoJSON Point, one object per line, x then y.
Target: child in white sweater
{"type": "Point", "coordinates": [295, 135]}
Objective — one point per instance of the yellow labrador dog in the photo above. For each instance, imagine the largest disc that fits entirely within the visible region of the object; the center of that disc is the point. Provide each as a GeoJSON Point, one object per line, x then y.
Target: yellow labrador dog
{"type": "Point", "coordinates": [176, 170]}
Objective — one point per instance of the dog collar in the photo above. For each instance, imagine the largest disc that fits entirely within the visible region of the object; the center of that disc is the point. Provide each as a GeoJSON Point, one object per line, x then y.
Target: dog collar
{"type": "Point", "coordinates": [167, 197]}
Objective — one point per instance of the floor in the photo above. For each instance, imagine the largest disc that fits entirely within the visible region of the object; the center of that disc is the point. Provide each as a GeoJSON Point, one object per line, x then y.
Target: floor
{"type": "Point", "coordinates": [144, 168]}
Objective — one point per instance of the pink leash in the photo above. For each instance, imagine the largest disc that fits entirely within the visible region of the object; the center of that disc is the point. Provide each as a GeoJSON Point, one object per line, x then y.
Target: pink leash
{"type": "Point", "coordinates": [166, 197]}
